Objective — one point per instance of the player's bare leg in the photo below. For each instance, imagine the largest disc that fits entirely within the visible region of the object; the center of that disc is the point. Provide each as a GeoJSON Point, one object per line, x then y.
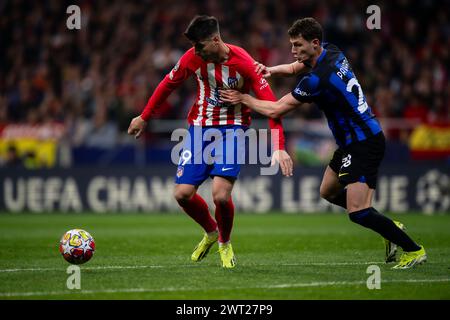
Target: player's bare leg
{"type": "Point", "coordinates": [221, 191]}
{"type": "Point", "coordinates": [194, 205]}
{"type": "Point", "coordinates": [359, 196]}
{"type": "Point", "coordinates": [331, 190]}
{"type": "Point", "coordinates": [359, 201]}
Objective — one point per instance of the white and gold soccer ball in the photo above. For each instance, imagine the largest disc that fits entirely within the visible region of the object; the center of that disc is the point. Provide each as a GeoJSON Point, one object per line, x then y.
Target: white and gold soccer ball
{"type": "Point", "coordinates": [77, 246]}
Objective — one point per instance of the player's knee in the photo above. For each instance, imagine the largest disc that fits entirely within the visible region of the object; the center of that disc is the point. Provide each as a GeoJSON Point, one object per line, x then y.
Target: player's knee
{"type": "Point", "coordinates": [182, 196]}
{"type": "Point", "coordinates": [221, 199]}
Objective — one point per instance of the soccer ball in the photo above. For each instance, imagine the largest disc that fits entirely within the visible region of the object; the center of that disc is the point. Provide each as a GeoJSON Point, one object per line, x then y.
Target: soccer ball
{"type": "Point", "coordinates": [77, 246]}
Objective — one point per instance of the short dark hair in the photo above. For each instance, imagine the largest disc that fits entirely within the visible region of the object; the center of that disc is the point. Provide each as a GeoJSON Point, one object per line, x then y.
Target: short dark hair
{"type": "Point", "coordinates": [308, 28]}
{"type": "Point", "coordinates": [201, 28]}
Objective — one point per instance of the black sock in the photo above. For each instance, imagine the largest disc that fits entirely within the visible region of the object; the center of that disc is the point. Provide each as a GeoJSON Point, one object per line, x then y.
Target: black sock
{"type": "Point", "coordinates": [340, 199]}
{"type": "Point", "coordinates": [372, 219]}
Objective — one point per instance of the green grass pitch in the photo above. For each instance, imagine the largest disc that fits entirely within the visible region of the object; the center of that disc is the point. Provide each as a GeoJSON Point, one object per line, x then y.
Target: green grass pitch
{"type": "Point", "coordinates": [279, 256]}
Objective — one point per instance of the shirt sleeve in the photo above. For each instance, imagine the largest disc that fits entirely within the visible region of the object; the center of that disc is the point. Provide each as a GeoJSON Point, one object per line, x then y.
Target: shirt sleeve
{"type": "Point", "coordinates": [307, 89]}
{"type": "Point", "coordinates": [171, 81]}
{"type": "Point", "coordinates": [262, 91]}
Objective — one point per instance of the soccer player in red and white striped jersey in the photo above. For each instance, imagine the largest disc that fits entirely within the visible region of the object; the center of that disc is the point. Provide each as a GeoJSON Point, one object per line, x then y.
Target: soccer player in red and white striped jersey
{"type": "Point", "coordinates": [214, 65]}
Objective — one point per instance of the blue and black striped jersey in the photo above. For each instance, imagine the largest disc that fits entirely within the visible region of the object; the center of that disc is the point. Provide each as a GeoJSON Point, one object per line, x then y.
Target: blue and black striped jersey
{"type": "Point", "coordinates": [332, 85]}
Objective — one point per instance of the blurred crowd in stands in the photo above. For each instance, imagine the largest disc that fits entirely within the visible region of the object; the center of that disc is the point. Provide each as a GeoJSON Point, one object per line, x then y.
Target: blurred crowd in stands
{"type": "Point", "coordinates": [94, 80]}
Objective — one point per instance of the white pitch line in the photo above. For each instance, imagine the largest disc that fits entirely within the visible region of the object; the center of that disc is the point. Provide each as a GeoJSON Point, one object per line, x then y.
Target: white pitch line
{"type": "Point", "coordinates": [83, 268]}
{"type": "Point", "coordinates": [329, 264]}
{"type": "Point", "coordinates": [29, 269]}
{"type": "Point", "coordinates": [344, 283]}
{"type": "Point", "coordinates": [169, 289]}
{"type": "Point", "coordinates": [192, 265]}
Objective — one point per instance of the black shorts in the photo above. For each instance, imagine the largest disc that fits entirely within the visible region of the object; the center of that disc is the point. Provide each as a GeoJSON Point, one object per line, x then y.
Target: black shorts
{"type": "Point", "coordinates": [359, 161]}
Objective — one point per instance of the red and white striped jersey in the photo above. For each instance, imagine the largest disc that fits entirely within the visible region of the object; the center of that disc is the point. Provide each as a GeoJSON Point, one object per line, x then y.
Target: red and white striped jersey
{"type": "Point", "coordinates": [207, 110]}
{"type": "Point", "coordinates": [238, 73]}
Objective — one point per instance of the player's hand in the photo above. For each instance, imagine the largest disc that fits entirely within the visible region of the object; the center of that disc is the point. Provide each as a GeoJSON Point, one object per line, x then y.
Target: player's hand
{"type": "Point", "coordinates": [262, 69]}
{"type": "Point", "coordinates": [137, 127]}
{"type": "Point", "coordinates": [231, 96]}
{"type": "Point", "coordinates": [285, 161]}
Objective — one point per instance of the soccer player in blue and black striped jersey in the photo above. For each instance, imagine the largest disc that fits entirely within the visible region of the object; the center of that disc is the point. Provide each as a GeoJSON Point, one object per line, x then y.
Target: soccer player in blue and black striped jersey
{"type": "Point", "coordinates": [350, 179]}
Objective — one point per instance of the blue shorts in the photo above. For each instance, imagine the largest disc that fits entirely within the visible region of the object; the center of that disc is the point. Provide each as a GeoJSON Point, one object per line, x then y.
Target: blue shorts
{"type": "Point", "coordinates": [209, 152]}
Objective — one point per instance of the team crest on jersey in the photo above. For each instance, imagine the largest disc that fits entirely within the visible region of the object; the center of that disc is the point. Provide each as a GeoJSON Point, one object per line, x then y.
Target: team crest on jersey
{"type": "Point", "coordinates": [180, 171]}
{"type": "Point", "coordinates": [233, 82]}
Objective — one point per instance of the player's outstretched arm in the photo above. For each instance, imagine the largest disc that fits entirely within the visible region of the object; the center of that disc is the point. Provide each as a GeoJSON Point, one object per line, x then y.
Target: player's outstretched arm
{"type": "Point", "coordinates": [271, 109]}
{"type": "Point", "coordinates": [282, 69]}
{"type": "Point", "coordinates": [171, 81]}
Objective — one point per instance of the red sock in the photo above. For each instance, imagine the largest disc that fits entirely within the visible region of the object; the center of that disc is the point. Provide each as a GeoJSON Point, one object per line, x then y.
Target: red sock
{"type": "Point", "coordinates": [224, 217]}
{"type": "Point", "coordinates": [197, 209]}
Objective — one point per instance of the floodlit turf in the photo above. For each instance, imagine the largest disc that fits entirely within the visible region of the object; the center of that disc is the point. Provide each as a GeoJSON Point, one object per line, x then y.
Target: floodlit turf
{"type": "Point", "coordinates": [279, 256]}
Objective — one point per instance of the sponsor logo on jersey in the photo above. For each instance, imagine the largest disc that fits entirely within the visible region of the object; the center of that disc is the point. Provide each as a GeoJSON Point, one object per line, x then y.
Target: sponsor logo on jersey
{"type": "Point", "coordinates": [215, 102]}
